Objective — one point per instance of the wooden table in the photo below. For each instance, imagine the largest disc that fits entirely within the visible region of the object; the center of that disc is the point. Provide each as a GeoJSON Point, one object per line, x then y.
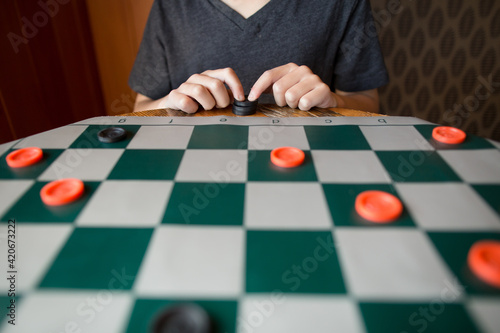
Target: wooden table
{"type": "Point", "coordinates": [263, 110]}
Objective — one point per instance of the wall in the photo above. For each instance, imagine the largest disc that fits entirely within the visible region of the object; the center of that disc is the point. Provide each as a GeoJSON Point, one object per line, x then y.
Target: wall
{"type": "Point", "coordinates": [443, 61]}
{"type": "Point", "coordinates": [49, 76]}
{"type": "Point", "coordinates": [117, 27]}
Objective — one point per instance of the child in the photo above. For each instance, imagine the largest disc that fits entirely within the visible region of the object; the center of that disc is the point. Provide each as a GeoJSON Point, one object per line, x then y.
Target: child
{"type": "Point", "coordinates": [306, 53]}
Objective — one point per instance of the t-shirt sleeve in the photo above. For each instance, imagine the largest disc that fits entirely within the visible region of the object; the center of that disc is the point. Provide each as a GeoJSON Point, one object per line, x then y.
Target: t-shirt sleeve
{"type": "Point", "coordinates": [360, 65]}
{"type": "Point", "coordinates": [150, 75]}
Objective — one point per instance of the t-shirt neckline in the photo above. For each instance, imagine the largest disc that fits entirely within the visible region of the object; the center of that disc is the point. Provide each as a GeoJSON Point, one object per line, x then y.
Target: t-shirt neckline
{"type": "Point", "coordinates": [239, 20]}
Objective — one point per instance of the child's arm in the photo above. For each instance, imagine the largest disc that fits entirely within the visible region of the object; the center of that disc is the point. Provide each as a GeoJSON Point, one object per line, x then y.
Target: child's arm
{"type": "Point", "coordinates": [206, 89]}
{"type": "Point", "coordinates": [298, 87]}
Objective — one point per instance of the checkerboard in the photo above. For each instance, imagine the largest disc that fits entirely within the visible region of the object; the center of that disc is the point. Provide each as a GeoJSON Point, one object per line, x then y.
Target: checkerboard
{"type": "Point", "coordinates": [191, 210]}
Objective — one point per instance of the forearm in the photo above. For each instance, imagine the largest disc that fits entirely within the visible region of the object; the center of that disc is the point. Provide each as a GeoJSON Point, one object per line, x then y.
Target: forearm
{"type": "Point", "coordinates": [143, 103]}
{"type": "Point", "coordinates": [364, 101]}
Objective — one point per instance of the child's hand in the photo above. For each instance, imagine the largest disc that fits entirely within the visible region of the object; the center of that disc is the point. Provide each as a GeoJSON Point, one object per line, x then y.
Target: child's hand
{"type": "Point", "coordinates": [206, 89]}
{"type": "Point", "coordinates": [295, 86]}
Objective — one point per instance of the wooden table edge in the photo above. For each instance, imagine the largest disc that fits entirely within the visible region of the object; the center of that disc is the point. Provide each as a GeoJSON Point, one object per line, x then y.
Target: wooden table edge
{"type": "Point", "coordinates": [264, 110]}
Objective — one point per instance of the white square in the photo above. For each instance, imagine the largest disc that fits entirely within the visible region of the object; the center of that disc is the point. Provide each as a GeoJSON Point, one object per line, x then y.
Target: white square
{"type": "Point", "coordinates": [495, 143]}
{"type": "Point", "coordinates": [187, 261]}
{"type": "Point", "coordinates": [6, 146]}
{"type": "Point", "coordinates": [213, 166]}
{"type": "Point", "coordinates": [474, 166]}
{"type": "Point", "coordinates": [59, 138]}
{"type": "Point", "coordinates": [84, 164]}
{"type": "Point", "coordinates": [349, 167]}
{"type": "Point", "coordinates": [11, 191]}
{"type": "Point", "coordinates": [161, 137]}
{"type": "Point", "coordinates": [271, 137]}
{"type": "Point", "coordinates": [485, 311]}
{"type": "Point", "coordinates": [448, 206]}
{"type": "Point", "coordinates": [127, 203]}
{"type": "Point", "coordinates": [391, 264]}
{"type": "Point", "coordinates": [280, 205]}
{"type": "Point", "coordinates": [395, 138]}
{"type": "Point", "coordinates": [48, 312]}
{"type": "Point", "coordinates": [37, 246]}
{"type": "Point", "coordinates": [280, 313]}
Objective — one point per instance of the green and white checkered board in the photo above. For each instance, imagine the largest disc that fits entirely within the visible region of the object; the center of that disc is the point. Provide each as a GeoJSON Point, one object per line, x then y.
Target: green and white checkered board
{"type": "Point", "coordinates": [191, 210]}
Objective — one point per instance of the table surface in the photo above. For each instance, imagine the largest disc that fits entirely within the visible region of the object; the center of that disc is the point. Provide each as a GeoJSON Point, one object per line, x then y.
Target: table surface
{"type": "Point", "coordinates": [190, 210]}
{"type": "Point", "coordinates": [263, 110]}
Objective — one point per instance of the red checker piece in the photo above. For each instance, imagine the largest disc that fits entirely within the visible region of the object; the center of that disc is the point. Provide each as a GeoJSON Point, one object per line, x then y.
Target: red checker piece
{"type": "Point", "coordinates": [24, 157]}
{"type": "Point", "coordinates": [378, 206]}
{"type": "Point", "coordinates": [62, 191]}
{"type": "Point", "coordinates": [448, 135]}
{"type": "Point", "coordinates": [287, 157]}
{"type": "Point", "coordinates": [484, 261]}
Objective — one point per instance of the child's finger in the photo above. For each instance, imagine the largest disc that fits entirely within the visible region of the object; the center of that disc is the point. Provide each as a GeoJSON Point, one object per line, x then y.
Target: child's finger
{"type": "Point", "coordinates": [199, 93]}
{"type": "Point", "coordinates": [215, 87]}
{"type": "Point", "coordinates": [229, 77]}
{"type": "Point", "coordinates": [179, 101]}
{"type": "Point", "coordinates": [306, 84]}
{"type": "Point", "coordinates": [321, 96]}
{"type": "Point", "coordinates": [267, 79]}
{"type": "Point", "coordinates": [293, 85]}
{"type": "Point", "coordinates": [292, 95]}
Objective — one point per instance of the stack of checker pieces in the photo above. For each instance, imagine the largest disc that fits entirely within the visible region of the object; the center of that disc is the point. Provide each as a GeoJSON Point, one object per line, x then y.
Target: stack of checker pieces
{"type": "Point", "coordinates": [192, 211]}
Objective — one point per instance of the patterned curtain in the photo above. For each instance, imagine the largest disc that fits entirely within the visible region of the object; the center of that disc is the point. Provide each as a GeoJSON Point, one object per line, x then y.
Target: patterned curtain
{"type": "Point", "coordinates": [443, 61]}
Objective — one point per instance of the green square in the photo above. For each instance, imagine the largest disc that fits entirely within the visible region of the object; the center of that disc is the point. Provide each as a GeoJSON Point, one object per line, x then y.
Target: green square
{"type": "Point", "coordinates": [292, 262]}
{"type": "Point", "coordinates": [471, 141]}
{"type": "Point", "coordinates": [490, 193]}
{"type": "Point", "coordinates": [99, 258]}
{"type": "Point", "coordinates": [89, 139]}
{"type": "Point", "coordinates": [336, 138]}
{"type": "Point", "coordinates": [416, 166]}
{"type": "Point", "coordinates": [341, 199]}
{"type": "Point", "coordinates": [454, 248]}
{"type": "Point", "coordinates": [29, 172]}
{"type": "Point", "coordinates": [219, 137]}
{"type": "Point", "coordinates": [222, 313]}
{"type": "Point", "coordinates": [30, 208]}
{"type": "Point", "coordinates": [147, 164]}
{"type": "Point", "coordinates": [432, 317]}
{"type": "Point", "coordinates": [206, 204]}
{"type": "Point", "coordinates": [260, 168]}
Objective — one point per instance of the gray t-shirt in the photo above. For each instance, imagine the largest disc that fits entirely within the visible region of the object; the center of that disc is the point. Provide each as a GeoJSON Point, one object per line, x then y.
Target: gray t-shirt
{"type": "Point", "coordinates": [335, 38]}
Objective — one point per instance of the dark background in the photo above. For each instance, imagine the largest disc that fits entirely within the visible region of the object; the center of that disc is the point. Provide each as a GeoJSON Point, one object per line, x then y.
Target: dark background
{"type": "Point", "coordinates": [75, 56]}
